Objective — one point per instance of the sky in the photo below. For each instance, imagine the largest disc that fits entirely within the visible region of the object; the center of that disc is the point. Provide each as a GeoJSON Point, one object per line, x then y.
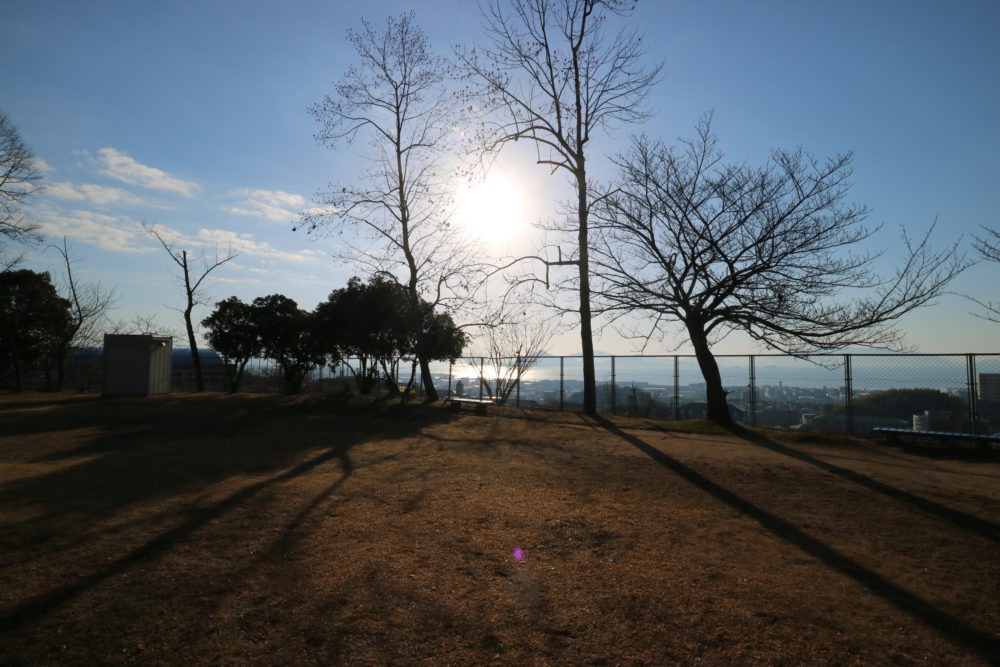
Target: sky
{"type": "Point", "coordinates": [192, 116]}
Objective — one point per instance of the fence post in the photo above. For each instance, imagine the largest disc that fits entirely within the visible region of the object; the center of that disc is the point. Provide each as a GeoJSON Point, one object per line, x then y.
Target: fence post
{"type": "Point", "coordinates": [677, 388]}
{"type": "Point", "coordinates": [753, 392]}
{"type": "Point", "coordinates": [849, 393]}
{"type": "Point", "coordinates": [451, 363]}
{"type": "Point", "coordinates": [562, 393]}
{"type": "Point", "coordinates": [614, 388]}
{"type": "Point", "coordinates": [480, 378]}
{"type": "Point", "coordinates": [970, 366]}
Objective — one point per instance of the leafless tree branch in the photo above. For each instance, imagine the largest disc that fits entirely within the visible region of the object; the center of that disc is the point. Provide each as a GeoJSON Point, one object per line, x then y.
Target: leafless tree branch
{"type": "Point", "coordinates": [552, 76]}
{"type": "Point", "coordinates": [768, 251]}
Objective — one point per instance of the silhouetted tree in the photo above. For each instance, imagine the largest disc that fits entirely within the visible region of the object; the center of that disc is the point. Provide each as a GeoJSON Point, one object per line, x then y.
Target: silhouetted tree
{"type": "Point", "coordinates": [395, 99]}
{"type": "Point", "coordinates": [19, 179]}
{"type": "Point", "coordinates": [194, 270]}
{"type": "Point", "coordinates": [89, 306]}
{"type": "Point", "coordinates": [988, 247]}
{"type": "Point", "coordinates": [510, 350]}
{"type": "Point", "coordinates": [366, 323]}
{"type": "Point", "coordinates": [373, 325]}
{"type": "Point", "coordinates": [440, 339]}
{"type": "Point", "coordinates": [33, 321]}
{"type": "Point", "coordinates": [720, 247]}
{"type": "Point", "coordinates": [550, 75]}
{"type": "Point", "coordinates": [234, 332]}
{"type": "Point", "coordinates": [145, 325]}
{"type": "Point", "coordinates": [287, 335]}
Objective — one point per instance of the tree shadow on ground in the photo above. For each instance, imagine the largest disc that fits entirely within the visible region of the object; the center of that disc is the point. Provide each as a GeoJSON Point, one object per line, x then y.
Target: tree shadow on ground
{"type": "Point", "coordinates": [947, 625]}
{"type": "Point", "coordinates": [968, 522]}
{"type": "Point", "coordinates": [42, 401]}
{"type": "Point", "coordinates": [174, 451]}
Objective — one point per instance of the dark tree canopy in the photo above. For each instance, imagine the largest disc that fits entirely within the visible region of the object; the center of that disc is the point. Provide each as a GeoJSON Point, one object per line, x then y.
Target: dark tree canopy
{"type": "Point", "coordinates": [904, 403]}
{"type": "Point", "coordinates": [717, 247]}
{"type": "Point", "coordinates": [439, 338]}
{"type": "Point", "coordinates": [34, 320]}
{"type": "Point", "coordinates": [366, 323]}
{"type": "Point", "coordinates": [374, 326]}
{"type": "Point", "coordinates": [233, 331]}
{"type": "Point", "coordinates": [287, 335]}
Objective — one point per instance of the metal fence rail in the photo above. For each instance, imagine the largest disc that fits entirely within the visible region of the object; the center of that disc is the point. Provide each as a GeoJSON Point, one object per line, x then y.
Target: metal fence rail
{"type": "Point", "coordinates": [850, 393]}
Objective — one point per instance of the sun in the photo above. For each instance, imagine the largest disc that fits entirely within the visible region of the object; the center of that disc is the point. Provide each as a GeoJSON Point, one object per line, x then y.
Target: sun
{"type": "Point", "coordinates": [491, 209]}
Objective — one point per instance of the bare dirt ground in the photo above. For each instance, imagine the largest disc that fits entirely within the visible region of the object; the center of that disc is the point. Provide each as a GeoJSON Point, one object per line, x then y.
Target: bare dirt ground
{"type": "Point", "coordinates": [330, 530]}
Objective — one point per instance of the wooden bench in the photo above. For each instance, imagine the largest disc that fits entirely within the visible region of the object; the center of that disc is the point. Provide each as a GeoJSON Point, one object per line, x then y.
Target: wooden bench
{"type": "Point", "coordinates": [895, 434]}
{"type": "Point", "coordinates": [479, 403]}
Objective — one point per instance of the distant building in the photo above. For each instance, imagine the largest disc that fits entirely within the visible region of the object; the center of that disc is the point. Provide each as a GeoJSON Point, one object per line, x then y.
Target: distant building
{"type": "Point", "coordinates": [934, 420]}
{"type": "Point", "coordinates": [989, 387]}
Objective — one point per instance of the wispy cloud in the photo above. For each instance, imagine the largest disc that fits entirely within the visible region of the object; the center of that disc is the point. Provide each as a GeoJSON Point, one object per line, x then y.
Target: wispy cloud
{"type": "Point", "coordinates": [95, 195]}
{"type": "Point", "coordinates": [246, 244]}
{"type": "Point", "coordinates": [242, 243]}
{"type": "Point", "coordinates": [275, 205]}
{"type": "Point", "coordinates": [122, 167]}
{"type": "Point", "coordinates": [42, 165]}
{"type": "Point", "coordinates": [114, 233]}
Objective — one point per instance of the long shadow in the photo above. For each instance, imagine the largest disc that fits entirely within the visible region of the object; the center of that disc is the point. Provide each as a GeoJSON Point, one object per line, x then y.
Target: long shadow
{"type": "Point", "coordinates": [950, 627]}
{"type": "Point", "coordinates": [147, 451]}
{"type": "Point", "coordinates": [259, 441]}
{"type": "Point", "coordinates": [42, 605]}
{"type": "Point", "coordinates": [10, 405]}
{"type": "Point", "coordinates": [969, 522]}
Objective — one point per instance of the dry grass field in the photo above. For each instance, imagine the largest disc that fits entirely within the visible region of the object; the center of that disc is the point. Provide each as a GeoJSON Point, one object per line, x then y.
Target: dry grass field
{"type": "Point", "coordinates": [212, 529]}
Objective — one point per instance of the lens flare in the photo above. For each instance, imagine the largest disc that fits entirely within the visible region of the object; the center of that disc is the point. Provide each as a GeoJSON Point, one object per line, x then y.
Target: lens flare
{"type": "Point", "coordinates": [518, 554]}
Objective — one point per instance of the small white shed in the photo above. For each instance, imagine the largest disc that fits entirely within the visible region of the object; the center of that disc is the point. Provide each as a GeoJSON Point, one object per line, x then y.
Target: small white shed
{"type": "Point", "coordinates": [136, 365]}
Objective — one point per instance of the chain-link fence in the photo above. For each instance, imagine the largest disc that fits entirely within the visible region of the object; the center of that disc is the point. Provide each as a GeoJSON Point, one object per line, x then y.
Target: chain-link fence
{"type": "Point", "coordinates": [848, 392]}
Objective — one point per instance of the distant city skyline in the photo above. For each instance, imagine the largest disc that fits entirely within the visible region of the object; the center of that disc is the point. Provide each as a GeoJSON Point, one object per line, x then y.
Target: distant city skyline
{"type": "Point", "coordinates": [192, 116]}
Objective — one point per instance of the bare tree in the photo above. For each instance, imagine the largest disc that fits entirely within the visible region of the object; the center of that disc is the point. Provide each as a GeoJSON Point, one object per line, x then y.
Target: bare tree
{"type": "Point", "coordinates": [19, 179]}
{"type": "Point", "coordinates": [510, 349]}
{"type": "Point", "coordinates": [551, 76]}
{"type": "Point", "coordinates": [145, 325]}
{"type": "Point", "coordinates": [395, 99]}
{"type": "Point", "coordinates": [988, 247]}
{"type": "Point", "coordinates": [194, 270]}
{"type": "Point", "coordinates": [88, 308]}
{"type": "Point", "coordinates": [767, 251]}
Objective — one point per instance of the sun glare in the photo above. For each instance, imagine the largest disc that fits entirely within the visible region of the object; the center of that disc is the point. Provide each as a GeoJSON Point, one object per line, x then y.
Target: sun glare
{"type": "Point", "coordinates": [491, 209]}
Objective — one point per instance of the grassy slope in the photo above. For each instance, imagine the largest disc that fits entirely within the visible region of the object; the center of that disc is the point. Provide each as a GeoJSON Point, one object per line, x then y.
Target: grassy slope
{"type": "Point", "coordinates": [332, 530]}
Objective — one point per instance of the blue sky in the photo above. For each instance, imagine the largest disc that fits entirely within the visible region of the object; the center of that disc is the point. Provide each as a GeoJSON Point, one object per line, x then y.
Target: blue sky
{"type": "Point", "coordinates": [193, 116]}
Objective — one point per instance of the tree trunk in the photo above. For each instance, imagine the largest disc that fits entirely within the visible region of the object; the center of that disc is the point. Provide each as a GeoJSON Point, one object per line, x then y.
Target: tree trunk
{"type": "Point", "coordinates": [586, 329]}
{"type": "Point", "coordinates": [425, 376]}
{"type": "Point", "coordinates": [239, 376]}
{"type": "Point", "coordinates": [199, 382]}
{"type": "Point", "coordinates": [61, 372]}
{"type": "Point", "coordinates": [718, 409]}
